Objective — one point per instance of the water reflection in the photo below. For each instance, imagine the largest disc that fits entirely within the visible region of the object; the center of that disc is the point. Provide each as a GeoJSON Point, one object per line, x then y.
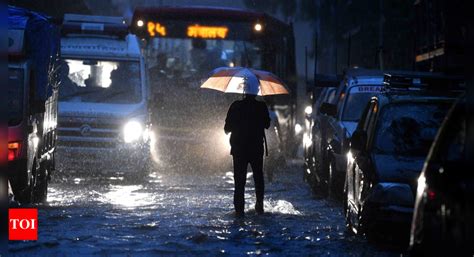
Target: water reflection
{"type": "Point", "coordinates": [128, 196]}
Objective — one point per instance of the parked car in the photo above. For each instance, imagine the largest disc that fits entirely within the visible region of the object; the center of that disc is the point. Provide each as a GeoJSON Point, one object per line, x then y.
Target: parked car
{"type": "Point", "coordinates": [32, 90]}
{"type": "Point", "coordinates": [387, 151]}
{"type": "Point", "coordinates": [313, 120]}
{"type": "Point", "coordinates": [343, 113]}
{"type": "Point", "coordinates": [316, 125]}
{"type": "Point", "coordinates": [443, 221]}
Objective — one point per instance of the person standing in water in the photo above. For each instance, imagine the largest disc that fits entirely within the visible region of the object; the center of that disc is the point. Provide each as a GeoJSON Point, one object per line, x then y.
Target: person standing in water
{"type": "Point", "coordinates": [247, 120]}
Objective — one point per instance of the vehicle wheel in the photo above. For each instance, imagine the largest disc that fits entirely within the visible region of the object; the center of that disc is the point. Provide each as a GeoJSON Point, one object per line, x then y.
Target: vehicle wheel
{"type": "Point", "coordinates": [330, 183]}
{"type": "Point", "coordinates": [366, 226]}
{"type": "Point", "coordinates": [347, 215]}
{"type": "Point", "coordinates": [324, 169]}
{"type": "Point", "coordinates": [24, 195]}
{"type": "Point", "coordinates": [40, 190]}
{"type": "Point", "coordinates": [305, 174]}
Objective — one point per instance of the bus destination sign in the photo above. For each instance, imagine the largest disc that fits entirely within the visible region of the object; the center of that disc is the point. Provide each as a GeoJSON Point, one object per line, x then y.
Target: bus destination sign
{"type": "Point", "coordinates": [193, 31]}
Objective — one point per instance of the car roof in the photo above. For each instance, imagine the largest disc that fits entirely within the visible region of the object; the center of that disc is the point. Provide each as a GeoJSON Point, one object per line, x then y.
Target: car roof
{"type": "Point", "coordinates": [413, 97]}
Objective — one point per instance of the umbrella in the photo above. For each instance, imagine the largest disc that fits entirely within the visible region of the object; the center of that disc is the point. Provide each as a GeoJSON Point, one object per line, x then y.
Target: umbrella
{"type": "Point", "coordinates": [242, 80]}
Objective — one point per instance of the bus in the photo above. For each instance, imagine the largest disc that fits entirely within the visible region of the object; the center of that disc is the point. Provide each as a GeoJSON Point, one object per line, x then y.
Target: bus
{"type": "Point", "coordinates": [182, 45]}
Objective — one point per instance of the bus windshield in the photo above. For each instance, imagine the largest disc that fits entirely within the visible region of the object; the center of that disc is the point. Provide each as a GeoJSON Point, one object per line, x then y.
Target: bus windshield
{"type": "Point", "coordinates": [182, 58]}
{"type": "Point", "coordinates": [100, 81]}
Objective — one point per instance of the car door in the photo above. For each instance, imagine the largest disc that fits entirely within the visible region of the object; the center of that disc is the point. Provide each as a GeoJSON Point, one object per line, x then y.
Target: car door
{"type": "Point", "coordinates": [352, 164]}
{"type": "Point", "coordinates": [335, 128]}
{"type": "Point", "coordinates": [362, 159]}
{"type": "Point", "coordinates": [321, 125]}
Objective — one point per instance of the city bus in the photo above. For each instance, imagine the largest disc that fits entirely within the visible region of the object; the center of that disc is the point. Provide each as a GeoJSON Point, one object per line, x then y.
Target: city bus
{"type": "Point", "coordinates": [182, 45]}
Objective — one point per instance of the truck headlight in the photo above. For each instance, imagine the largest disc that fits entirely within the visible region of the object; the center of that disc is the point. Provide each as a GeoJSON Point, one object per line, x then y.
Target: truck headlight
{"type": "Point", "coordinates": [132, 131]}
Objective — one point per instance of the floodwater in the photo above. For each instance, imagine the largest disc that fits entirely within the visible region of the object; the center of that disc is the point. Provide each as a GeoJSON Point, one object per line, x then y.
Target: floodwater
{"type": "Point", "coordinates": [170, 213]}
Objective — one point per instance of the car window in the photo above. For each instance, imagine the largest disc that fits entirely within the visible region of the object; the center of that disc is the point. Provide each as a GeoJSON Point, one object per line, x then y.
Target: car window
{"type": "Point", "coordinates": [364, 118]}
{"type": "Point", "coordinates": [356, 100]}
{"type": "Point", "coordinates": [372, 120]}
{"type": "Point", "coordinates": [331, 95]}
{"type": "Point", "coordinates": [408, 128]}
{"type": "Point", "coordinates": [322, 96]}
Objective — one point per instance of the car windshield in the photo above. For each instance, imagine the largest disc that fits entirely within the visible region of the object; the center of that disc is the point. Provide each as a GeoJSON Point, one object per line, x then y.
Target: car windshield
{"type": "Point", "coordinates": [408, 128]}
{"type": "Point", "coordinates": [182, 58]}
{"type": "Point", "coordinates": [100, 81]}
{"type": "Point", "coordinates": [15, 95]}
{"type": "Point", "coordinates": [356, 101]}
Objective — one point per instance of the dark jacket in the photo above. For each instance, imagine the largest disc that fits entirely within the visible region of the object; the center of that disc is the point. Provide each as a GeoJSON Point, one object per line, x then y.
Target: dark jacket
{"type": "Point", "coordinates": [246, 121]}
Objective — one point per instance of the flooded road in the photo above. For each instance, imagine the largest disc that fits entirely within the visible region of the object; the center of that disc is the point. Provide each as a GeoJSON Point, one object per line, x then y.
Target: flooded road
{"type": "Point", "coordinates": [172, 213]}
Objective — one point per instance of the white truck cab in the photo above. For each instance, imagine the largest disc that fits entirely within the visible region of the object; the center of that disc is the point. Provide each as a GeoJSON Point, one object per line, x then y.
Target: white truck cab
{"type": "Point", "coordinates": [104, 119]}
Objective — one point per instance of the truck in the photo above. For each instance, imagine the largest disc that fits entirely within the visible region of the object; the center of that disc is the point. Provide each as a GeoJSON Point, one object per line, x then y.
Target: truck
{"type": "Point", "coordinates": [32, 89]}
{"type": "Point", "coordinates": [104, 118]}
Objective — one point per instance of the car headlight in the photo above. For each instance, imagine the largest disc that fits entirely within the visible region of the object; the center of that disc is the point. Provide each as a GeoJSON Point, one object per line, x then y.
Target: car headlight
{"type": "Point", "coordinates": [132, 131]}
{"type": "Point", "coordinates": [298, 129]}
{"type": "Point", "coordinates": [308, 110]}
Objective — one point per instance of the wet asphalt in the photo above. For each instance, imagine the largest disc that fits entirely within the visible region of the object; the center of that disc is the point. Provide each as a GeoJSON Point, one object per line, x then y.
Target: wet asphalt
{"type": "Point", "coordinates": [188, 212]}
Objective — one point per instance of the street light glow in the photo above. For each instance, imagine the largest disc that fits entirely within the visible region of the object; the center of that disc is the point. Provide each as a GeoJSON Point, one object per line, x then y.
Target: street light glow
{"type": "Point", "coordinates": [258, 27]}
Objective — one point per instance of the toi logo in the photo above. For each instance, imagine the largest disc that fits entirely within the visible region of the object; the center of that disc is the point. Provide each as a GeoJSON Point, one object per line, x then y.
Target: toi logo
{"type": "Point", "coordinates": [23, 224]}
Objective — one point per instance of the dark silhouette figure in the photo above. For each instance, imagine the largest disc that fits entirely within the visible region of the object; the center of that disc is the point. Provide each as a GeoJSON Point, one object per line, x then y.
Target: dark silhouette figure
{"type": "Point", "coordinates": [246, 121]}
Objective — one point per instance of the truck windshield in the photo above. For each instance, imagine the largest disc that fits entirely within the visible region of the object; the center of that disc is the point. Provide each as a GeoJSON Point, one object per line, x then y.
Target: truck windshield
{"type": "Point", "coordinates": [100, 81]}
{"type": "Point", "coordinates": [15, 95]}
{"type": "Point", "coordinates": [408, 128]}
{"type": "Point", "coordinates": [357, 100]}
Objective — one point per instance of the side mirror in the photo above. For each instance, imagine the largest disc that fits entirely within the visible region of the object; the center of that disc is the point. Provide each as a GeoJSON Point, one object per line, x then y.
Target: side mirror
{"type": "Point", "coordinates": [328, 109]}
{"type": "Point", "coordinates": [359, 140]}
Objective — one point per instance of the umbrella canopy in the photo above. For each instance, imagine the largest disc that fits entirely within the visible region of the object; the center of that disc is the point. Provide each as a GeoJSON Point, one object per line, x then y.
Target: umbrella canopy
{"type": "Point", "coordinates": [242, 80]}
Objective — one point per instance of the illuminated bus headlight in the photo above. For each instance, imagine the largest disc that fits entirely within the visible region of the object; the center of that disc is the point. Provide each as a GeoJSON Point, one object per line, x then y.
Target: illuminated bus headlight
{"type": "Point", "coordinates": [132, 131]}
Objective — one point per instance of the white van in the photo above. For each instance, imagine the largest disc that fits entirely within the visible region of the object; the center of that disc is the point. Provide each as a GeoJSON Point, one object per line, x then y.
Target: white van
{"type": "Point", "coordinates": [104, 119]}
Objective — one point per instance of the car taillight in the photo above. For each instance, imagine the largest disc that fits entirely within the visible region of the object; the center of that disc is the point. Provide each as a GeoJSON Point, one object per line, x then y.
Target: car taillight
{"type": "Point", "coordinates": [13, 150]}
{"type": "Point", "coordinates": [431, 195]}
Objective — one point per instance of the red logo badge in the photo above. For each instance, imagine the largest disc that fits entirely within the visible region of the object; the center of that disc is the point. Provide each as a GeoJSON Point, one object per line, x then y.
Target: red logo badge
{"type": "Point", "coordinates": [23, 224]}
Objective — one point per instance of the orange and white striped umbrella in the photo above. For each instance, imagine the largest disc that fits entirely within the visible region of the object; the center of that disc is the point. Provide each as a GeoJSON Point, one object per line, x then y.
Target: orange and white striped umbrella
{"type": "Point", "coordinates": [242, 80]}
